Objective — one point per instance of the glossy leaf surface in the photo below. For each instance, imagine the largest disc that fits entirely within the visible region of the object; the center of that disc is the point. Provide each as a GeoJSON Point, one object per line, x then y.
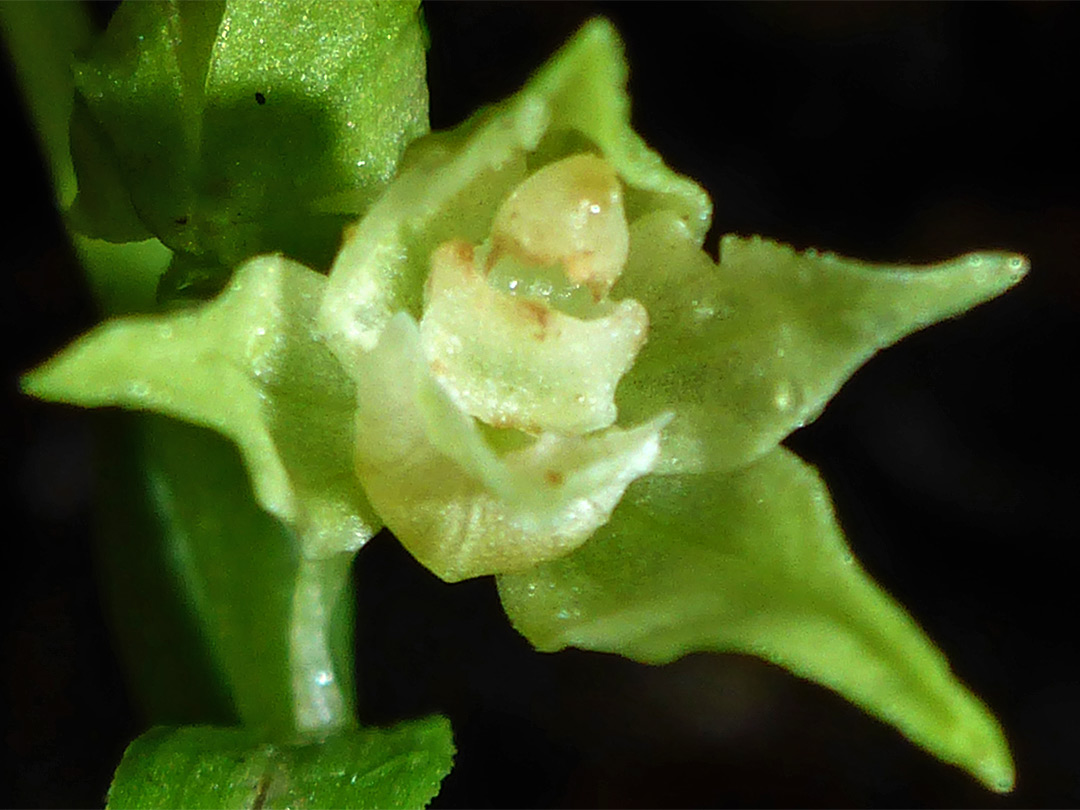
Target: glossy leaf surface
{"type": "Point", "coordinates": [229, 121]}
{"type": "Point", "coordinates": [203, 766]}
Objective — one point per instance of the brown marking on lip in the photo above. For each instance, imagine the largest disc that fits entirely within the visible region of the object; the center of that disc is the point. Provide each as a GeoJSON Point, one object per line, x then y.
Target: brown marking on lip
{"type": "Point", "coordinates": [498, 247]}
{"type": "Point", "coordinates": [504, 245]}
{"type": "Point", "coordinates": [597, 288]}
{"type": "Point", "coordinates": [538, 314]}
{"type": "Point", "coordinates": [464, 252]}
{"type": "Point", "coordinates": [578, 267]}
{"type": "Point", "coordinates": [553, 477]}
{"type": "Point", "coordinates": [453, 259]}
{"type": "Point", "coordinates": [453, 251]}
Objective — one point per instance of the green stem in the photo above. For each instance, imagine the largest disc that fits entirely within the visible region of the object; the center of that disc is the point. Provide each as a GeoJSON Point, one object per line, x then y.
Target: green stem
{"type": "Point", "coordinates": [272, 628]}
{"type": "Point", "coordinates": [320, 657]}
{"type": "Point", "coordinates": [218, 615]}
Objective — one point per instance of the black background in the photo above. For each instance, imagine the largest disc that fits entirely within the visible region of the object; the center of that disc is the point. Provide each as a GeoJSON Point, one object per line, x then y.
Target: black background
{"type": "Point", "coordinates": [890, 132]}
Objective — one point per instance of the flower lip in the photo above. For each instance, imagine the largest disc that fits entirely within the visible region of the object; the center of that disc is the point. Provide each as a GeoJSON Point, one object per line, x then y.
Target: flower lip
{"type": "Point", "coordinates": [509, 357]}
{"type": "Point", "coordinates": [513, 362]}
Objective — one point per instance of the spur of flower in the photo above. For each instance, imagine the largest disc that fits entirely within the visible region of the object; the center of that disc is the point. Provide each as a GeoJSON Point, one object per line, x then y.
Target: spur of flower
{"type": "Point", "coordinates": [523, 363]}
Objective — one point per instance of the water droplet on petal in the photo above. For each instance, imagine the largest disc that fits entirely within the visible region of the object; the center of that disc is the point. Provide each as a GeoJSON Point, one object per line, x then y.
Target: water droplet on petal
{"type": "Point", "coordinates": [783, 396]}
{"type": "Point", "coordinates": [703, 310]}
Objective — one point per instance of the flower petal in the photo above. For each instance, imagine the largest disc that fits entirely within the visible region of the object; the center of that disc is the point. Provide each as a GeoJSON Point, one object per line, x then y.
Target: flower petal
{"type": "Point", "coordinates": [753, 561]}
{"type": "Point", "coordinates": [461, 508]}
{"type": "Point", "coordinates": [246, 365]}
{"type": "Point", "coordinates": [748, 351]}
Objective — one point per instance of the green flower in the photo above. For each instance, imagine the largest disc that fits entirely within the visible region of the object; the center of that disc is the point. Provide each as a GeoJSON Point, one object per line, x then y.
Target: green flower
{"type": "Point", "coordinates": [524, 364]}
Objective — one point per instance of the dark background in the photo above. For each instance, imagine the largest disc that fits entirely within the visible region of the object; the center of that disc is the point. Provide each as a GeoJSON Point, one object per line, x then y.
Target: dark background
{"type": "Point", "coordinates": [890, 132]}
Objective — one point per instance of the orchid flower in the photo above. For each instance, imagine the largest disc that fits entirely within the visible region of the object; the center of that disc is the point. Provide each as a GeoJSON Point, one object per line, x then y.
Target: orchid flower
{"type": "Point", "coordinates": [524, 364]}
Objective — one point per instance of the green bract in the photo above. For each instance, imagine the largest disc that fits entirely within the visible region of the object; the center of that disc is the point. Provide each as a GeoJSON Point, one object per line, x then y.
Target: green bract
{"type": "Point", "coordinates": [226, 129]}
{"type": "Point", "coordinates": [524, 364]}
{"type": "Point", "coordinates": [199, 766]}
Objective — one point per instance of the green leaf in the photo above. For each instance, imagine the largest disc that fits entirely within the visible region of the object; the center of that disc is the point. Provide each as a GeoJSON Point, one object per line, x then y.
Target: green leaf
{"type": "Point", "coordinates": [460, 507]}
{"type": "Point", "coordinates": [123, 277]}
{"type": "Point", "coordinates": [207, 589]}
{"type": "Point", "coordinates": [200, 766]}
{"type": "Point", "coordinates": [173, 664]}
{"type": "Point", "coordinates": [452, 184]}
{"type": "Point", "coordinates": [248, 366]}
{"type": "Point", "coordinates": [753, 561]}
{"type": "Point", "coordinates": [747, 351]}
{"type": "Point", "coordinates": [41, 39]}
{"type": "Point", "coordinates": [102, 208]}
{"type": "Point", "coordinates": [230, 121]}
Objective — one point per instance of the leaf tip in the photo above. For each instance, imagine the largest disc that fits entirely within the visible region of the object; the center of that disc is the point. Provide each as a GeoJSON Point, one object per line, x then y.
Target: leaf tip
{"type": "Point", "coordinates": [995, 768]}
{"type": "Point", "coordinates": [991, 273]}
{"type": "Point", "coordinates": [600, 30]}
{"type": "Point", "coordinates": [997, 773]}
{"type": "Point", "coordinates": [979, 747]}
{"type": "Point", "coordinates": [30, 383]}
{"type": "Point", "coordinates": [1005, 267]}
{"type": "Point", "coordinates": [41, 382]}
{"type": "Point", "coordinates": [597, 43]}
